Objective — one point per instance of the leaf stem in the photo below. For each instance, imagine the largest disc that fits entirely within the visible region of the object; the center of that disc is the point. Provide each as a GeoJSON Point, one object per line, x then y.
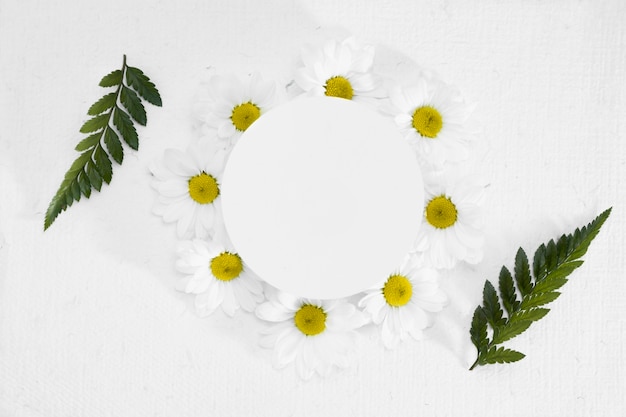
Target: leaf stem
{"type": "Point", "coordinates": [476, 361]}
{"type": "Point", "coordinates": [115, 107]}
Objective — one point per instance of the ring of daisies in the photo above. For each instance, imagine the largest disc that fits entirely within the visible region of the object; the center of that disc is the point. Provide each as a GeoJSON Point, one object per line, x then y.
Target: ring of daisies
{"type": "Point", "coordinates": [318, 336]}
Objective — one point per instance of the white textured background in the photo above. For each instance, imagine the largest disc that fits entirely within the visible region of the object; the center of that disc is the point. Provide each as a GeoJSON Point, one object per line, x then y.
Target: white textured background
{"type": "Point", "coordinates": [90, 324]}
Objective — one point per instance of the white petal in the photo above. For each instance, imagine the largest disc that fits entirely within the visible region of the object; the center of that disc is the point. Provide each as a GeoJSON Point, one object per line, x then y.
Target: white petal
{"type": "Point", "coordinates": [229, 304]}
{"type": "Point", "coordinates": [176, 209]}
{"type": "Point", "coordinates": [173, 188]}
{"type": "Point", "coordinates": [226, 129]}
{"type": "Point", "coordinates": [179, 163]}
{"type": "Point", "coordinates": [287, 348]}
{"type": "Point", "coordinates": [272, 311]}
{"type": "Point", "coordinates": [244, 298]}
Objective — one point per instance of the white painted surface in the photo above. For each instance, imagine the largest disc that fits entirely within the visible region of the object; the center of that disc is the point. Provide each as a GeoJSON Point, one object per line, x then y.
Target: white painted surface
{"type": "Point", "coordinates": [320, 197]}
{"type": "Point", "coordinates": [89, 322]}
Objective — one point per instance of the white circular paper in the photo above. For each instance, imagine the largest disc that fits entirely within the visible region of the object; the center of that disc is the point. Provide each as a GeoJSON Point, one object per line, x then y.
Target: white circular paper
{"type": "Point", "coordinates": [322, 197]}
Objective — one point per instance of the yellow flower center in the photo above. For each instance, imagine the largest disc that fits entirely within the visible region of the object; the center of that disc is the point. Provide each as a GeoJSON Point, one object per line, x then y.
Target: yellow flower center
{"type": "Point", "coordinates": [310, 320]}
{"type": "Point", "coordinates": [203, 188]}
{"type": "Point", "coordinates": [441, 212]}
{"type": "Point", "coordinates": [339, 87]}
{"type": "Point", "coordinates": [244, 115]}
{"type": "Point", "coordinates": [397, 290]}
{"type": "Point", "coordinates": [427, 121]}
{"type": "Point", "coordinates": [226, 266]}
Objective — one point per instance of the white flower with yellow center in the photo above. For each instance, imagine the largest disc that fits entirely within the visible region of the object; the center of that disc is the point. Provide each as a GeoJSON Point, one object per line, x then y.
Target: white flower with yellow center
{"type": "Point", "coordinates": [318, 335]}
{"type": "Point", "coordinates": [401, 303]}
{"type": "Point", "coordinates": [233, 105]}
{"type": "Point", "coordinates": [218, 277]}
{"type": "Point", "coordinates": [453, 222]}
{"type": "Point", "coordinates": [432, 117]}
{"type": "Point", "coordinates": [338, 69]}
{"type": "Point", "coordinates": [188, 184]}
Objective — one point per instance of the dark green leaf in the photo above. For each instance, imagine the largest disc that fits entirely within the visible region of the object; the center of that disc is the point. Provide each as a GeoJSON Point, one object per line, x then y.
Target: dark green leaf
{"type": "Point", "coordinates": [56, 206]}
{"type": "Point", "coordinates": [522, 273]}
{"type": "Point", "coordinates": [536, 300]}
{"type": "Point", "coordinates": [114, 146]}
{"type": "Point", "coordinates": [501, 355]}
{"type": "Point", "coordinates": [94, 177]}
{"type": "Point", "coordinates": [69, 198]}
{"type": "Point", "coordinates": [539, 262]}
{"type": "Point", "coordinates": [87, 173]}
{"type": "Point", "coordinates": [102, 105]}
{"type": "Point", "coordinates": [78, 165]}
{"type": "Point", "coordinates": [88, 142]}
{"type": "Point", "coordinates": [564, 270]}
{"type": "Point", "coordinates": [588, 234]}
{"type": "Point", "coordinates": [85, 185]}
{"type": "Point", "coordinates": [142, 84]}
{"type": "Point", "coordinates": [125, 126]}
{"type": "Point", "coordinates": [530, 315]}
{"type": "Point", "coordinates": [549, 285]}
{"type": "Point", "coordinates": [507, 291]}
{"type": "Point", "coordinates": [551, 258]}
{"type": "Point", "coordinates": [111, 80]}
{"type": "Point", "coordinates": [491, 306]}
{"type": "Point", "coordinates": [562, 248]}
{"type": "Point", "coordinates": [94, 124]}
{"type": "Point", "coordinates": [478, 331]}
{"type": "Point", "coordinates": [103, 164]}
{"type": "Point", "coordinates": [552, 264]}
{"type": "Point", "coordinates": [509, 331]}
{"type": "Point", "coordinates": [133, 104]}
{"type": "Point", "coordinates": [75, 189]}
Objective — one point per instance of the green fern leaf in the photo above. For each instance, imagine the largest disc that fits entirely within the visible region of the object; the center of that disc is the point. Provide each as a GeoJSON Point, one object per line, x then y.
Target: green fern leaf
{"type": "Point", "coordinates": [97, 123]}
{"type": "Point", "coordinates": [564, 270]}
{"type": "Point", "coordinates": [478, 330]}
{"type": "Point", "coordinates": [551, 258]}
{"type": "Point", "coordinates": [522, 273]}
{"type": "Point", "coordinates": [103, 164]}
{"type": "Point", "coordinates": [549, 285]}
{"type": "Point", "coordinates": [94, 176]}
{"type": "Point", "coordinates": [125, 127]}
{"type": "Point", "coordinates": [539, 263]}
{"type": "Point", "coordinates": [142, 84]}
{"type": "Point", "coordinates": [587, 234]}
{"type": "Point", "coordinates": [501, 355]}
{"type": "Point", "coordinates": [538, 299]}
{"type": "Point", "coordinates": [532, 314]}
{"type": "Point", "coordinates": [85, 185]}
{"type": "Point", "coordinates": [131, 101]}
{"type": "Point", "coordinates": [510, 330]}
{"type": "Point", "coordinates": [93, 166]}
{"type": "Point", "coordinates": [88, 143]}
{"type": "Point", "coordinates": [102, 105]}
{"type": "Point", "coordinates": [552, 264]}
{"type": "Point", "coordinates": [491, 306]}
{"type": "Point", "coordinates": [114, 146]}
{"type": "Point", "coordinates": [507, 291]}
{"type": "Point", "coordinates": [113, 79]}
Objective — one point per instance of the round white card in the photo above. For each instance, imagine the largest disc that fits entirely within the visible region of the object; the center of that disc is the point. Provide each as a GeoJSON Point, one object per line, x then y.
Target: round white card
{"type": "Point", "coordinates": [322, 197]}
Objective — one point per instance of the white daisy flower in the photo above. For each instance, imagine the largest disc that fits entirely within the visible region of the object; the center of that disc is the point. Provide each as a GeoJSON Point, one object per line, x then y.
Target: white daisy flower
{"type": "Point", "coordinates": [401, 303]}
{"type": "Point", "coordinates": [339, 69]}
{"type": "Point", "coordinates": [233, 105]}
{"type": "Point", "coordinates": [452, 227]}
{"type": "Point", "coordinates": [431, 115]}
{"type": "Point", "coordinates": [218, 277]}
{"type": "Point", "coordinates": [189, 189]}
{"type": "Point", "coordinates": [318, 335]}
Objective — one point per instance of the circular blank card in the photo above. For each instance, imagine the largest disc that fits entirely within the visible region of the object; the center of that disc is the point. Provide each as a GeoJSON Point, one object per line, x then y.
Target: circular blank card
{"type": "Point", "coordinates": [322, 197]}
